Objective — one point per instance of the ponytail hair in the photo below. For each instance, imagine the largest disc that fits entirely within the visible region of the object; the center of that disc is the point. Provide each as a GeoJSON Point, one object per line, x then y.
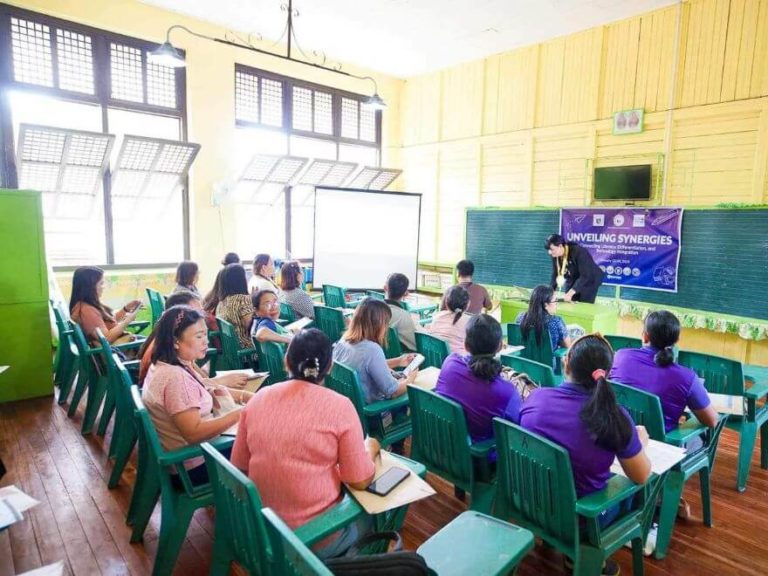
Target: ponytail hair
{"type": "Point", "coordinates": [663, 331]}
{"type": "Point", "coordinates": [483, 340]}
{"type": "Point", "coordinates": [456, 300]}
{"type": "Point", "coordinates": [589, 360]}
{"type": "Point", "coordinates": [309, 356]}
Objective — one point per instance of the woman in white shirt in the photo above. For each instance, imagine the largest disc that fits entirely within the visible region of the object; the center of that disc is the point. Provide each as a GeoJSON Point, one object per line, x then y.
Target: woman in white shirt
{"type": "Point", "coordinates": [263, 275]}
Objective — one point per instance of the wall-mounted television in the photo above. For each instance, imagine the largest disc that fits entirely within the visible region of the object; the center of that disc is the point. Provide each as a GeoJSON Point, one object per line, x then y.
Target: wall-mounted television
{"type": "Point", "coordinates": [623, 183]}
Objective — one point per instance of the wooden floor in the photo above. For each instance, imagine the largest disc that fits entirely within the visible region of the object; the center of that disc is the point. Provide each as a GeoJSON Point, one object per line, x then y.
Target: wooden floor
{"type": "Point", "coordinates": [81, 522]}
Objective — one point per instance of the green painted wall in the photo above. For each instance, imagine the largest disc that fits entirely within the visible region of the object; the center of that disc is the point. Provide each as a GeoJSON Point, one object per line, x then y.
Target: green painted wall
{"type": "Point", "coordinates": [25, 330]}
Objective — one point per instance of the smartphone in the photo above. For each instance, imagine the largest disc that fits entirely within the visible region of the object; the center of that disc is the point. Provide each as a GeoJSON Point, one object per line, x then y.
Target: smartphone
{"type": "Point", "coordinates": [388, 481]}
{"type": "Point", "coordinates": [415, 363]}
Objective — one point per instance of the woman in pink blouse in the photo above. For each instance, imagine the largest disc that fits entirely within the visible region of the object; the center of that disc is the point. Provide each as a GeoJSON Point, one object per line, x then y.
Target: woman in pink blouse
{"type": "Point", "coordinates": [298, 441]}
{"type": "Point", "coordinates": [86, 308]}
{"type": "Point", "coordinates": [450, 323]}
{"type": "Point", "coordinates": [185, 406]}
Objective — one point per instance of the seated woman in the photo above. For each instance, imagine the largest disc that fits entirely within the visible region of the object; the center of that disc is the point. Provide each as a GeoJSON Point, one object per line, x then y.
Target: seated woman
{"type": "Point", "coordinates": [183, 298]}
{"type": "Point", "coordinates": [187, 275]}
{"type": "Point", "coordinates": [267, 311]}
{"type": "Point", "coordinates": [653, 369]}
{"type": "Point", "coordinates": [86, 308]}
{"type": "Point", "coordinates": [291, 279]}
{"type": "Point", "coordinates": [450, 322]}
{"type": "Point", "coordinates": [541, 316]}
{"type": "Point", "coordinates": [582, 416]}
{"type": "Point", "coordinates": [177, 394]}
{"type": "Point", "coordinates": [263, 275]}
{"type": "Point", "coordinates": [361, 348]}
{"type": "Point", "coordinates": [235, 305]}
{"type": "Point", "coordinates": [298, 441]}
{"type": "Point", "coordinates": [474, 381]}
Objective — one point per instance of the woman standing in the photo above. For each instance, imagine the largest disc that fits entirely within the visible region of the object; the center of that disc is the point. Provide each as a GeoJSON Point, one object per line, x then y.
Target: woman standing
{"type": "Point", "coordinates": [574, 272]}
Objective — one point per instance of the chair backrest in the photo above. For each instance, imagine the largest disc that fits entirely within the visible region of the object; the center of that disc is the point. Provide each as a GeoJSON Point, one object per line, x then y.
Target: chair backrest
{"type": "Point", "coordinates": [721, 375]}
{"type": "Point", "coordinates": [343, 380]}
{"type": "Point", "coordinates": [330, 321]}
{"type": "Point", "coordinates": [272, 359]}
{"type": "Point", "coordinates": [440, 438]}
{"type": "Point", "coordinates": [238, 513]}
{"type": "Point", "coordinates": [334, 296]}
{"type": "Point", "coordinates": [540, 373]}
{"type": "Point", "coordinates": [619, 342]}
{"type": "Point", "coordinates": [79, 338]}
{"type": "Point", "coordinates": [156, 304]}
{"type": "Point", "coordinates": [394, 348]}
{"type": "Point", "coordinates": [290, 556]}
{"type": "Point", "coordinates": [149, 442]}
{"type": "Point", "coordinates": [535, 485]}
{"type": "Point", "coordinates": [645, 408]}
{"type": "Point", "coordinates": [376, 295]}
{"type": "Point", "coordinates": [286, 312]}
{"type": "Point", "coordinates": [123, 384]}
{"type": "Point", "coordinates": [434, 349]}
{"type": "Point", "coordinates": [230, 346]}
{"type": "Point", "coordinates": [537, 351]}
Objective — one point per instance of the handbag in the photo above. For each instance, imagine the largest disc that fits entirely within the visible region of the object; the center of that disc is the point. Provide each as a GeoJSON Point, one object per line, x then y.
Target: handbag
{"type": "Point", "coordinates": [520, 380]}
{"type": "Point", "coordinates": [397, 562]}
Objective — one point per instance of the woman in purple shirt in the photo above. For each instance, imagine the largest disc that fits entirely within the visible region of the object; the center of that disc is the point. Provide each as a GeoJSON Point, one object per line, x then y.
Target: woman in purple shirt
{"type": "Point", "coordinates": [582, 416]}
{"type": "Point", "coordinates": [474, 381]}
{"type": "Point", "coordinates": [653, 369]}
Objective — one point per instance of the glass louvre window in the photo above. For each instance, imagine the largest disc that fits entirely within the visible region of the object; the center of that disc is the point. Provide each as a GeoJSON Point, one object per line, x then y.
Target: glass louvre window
{"type": "Point", "coordinates": [332, 114]}
{"type": "Point", "coordinates": [73, 216]}
{"type": "Point", "coordinates": [147, 186]}
{"type": "Point", "coordinates": [31, 47]}
{"type": "Point", "coordinates": [84, 213]}
{"type": "Point", "coordinates": [258, 100]}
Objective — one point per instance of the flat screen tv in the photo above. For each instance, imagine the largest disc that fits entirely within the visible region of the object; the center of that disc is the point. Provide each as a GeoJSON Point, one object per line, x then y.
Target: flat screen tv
{"type": "Point", "coordinates": [623, 183]}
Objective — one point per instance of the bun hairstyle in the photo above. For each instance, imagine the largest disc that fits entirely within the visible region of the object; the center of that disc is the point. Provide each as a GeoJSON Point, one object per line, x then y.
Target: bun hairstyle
{"type": "Point", "coordinates": [309, 356]}
{"type": "Point", "coordinates": [230, 258]}
{"type": "Point", "coordinates": [482, 340]}
{"type": "Point", "coordinates": [259, 262]}
{"type": "Point", "coordinates": [663, 331]}
{"type": "Point", "coordinates": [456, 300]}
{"type": "Point", "coordinates": [588, 362]}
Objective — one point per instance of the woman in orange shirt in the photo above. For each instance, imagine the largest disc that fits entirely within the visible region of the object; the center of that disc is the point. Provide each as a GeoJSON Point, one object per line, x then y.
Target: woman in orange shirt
{"type": "Point", "coordinates": [86, 308]}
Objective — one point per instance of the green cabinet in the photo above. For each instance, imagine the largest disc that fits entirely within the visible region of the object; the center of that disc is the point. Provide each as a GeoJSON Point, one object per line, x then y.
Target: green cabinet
{"type": "Point", "coordinates": [591, 317]}
{"type": "Point", "coordinates": [25, 329]}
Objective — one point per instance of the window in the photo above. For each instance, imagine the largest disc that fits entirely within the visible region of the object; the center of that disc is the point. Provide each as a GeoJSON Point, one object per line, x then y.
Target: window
{"type": "Point", "coordinates": [51, 81]}
{"type": "Point", "coordinates": [328, 127]}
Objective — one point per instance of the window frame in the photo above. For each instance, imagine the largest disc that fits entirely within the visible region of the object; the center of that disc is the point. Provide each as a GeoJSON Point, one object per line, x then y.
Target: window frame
{"type": "Point", "coordinates": [288, 83]}
{"type": "Point", "coordinates": [102, 96]}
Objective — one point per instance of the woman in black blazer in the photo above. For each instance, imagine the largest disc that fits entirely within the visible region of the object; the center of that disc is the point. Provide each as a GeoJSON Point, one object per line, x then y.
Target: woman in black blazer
{"type": "Point", "coordinates": [573, 270]}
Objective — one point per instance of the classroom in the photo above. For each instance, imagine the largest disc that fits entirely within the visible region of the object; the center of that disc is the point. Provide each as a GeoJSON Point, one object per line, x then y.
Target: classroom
{"type": "Point", "coordinates": [397, 287]}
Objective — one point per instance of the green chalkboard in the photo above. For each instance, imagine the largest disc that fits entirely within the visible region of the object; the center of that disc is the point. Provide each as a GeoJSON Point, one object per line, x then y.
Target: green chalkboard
{"type": "Point", "coordinates": [723, 264]}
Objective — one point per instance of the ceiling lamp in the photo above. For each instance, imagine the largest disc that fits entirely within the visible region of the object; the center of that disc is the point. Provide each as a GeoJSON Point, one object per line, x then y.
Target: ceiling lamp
{"type": "Point", "coordinates": [168, 55]}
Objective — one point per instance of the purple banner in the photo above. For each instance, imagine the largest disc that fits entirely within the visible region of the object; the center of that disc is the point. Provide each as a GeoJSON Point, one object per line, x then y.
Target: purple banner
{"type": "Point", "coordinates": [637, 247]}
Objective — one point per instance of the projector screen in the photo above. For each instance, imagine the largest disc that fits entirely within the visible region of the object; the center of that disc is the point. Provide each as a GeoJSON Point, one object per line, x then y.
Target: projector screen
{"type": "Point", "coordinates": [361, 236]}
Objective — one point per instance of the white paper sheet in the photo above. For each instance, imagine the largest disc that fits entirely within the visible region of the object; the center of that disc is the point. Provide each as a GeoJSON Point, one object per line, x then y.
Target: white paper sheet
{"type": "Point", "coordinates": [13, 502]}
{"type": "Point", "coordinates": [726, 404]}
{"type": "Point", "coordinates": [426, 379]}
{"type": "Point", "coordinates": [55, 569]}
{"type": "Point", "coordinates": [298, 325]}
{"type": "Point", "coordinates": [410, 490]}
{"type": "Point", "coordinates": [662, 456]}
{"type": "Point", "coordinates": [3, 369]}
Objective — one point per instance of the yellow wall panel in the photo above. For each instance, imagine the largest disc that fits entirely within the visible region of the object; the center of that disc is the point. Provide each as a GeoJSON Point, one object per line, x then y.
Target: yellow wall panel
{"type": "Point", "coordinates": [462, 101]}
{"type": "Point", "coordinates": [420, 116]}
{"type": "Point", "coordinates": [504, 168]}
{"type": "Point", "coordinates": [510, 94]}
{"type": "Point", "coordinates": [528, 127]}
